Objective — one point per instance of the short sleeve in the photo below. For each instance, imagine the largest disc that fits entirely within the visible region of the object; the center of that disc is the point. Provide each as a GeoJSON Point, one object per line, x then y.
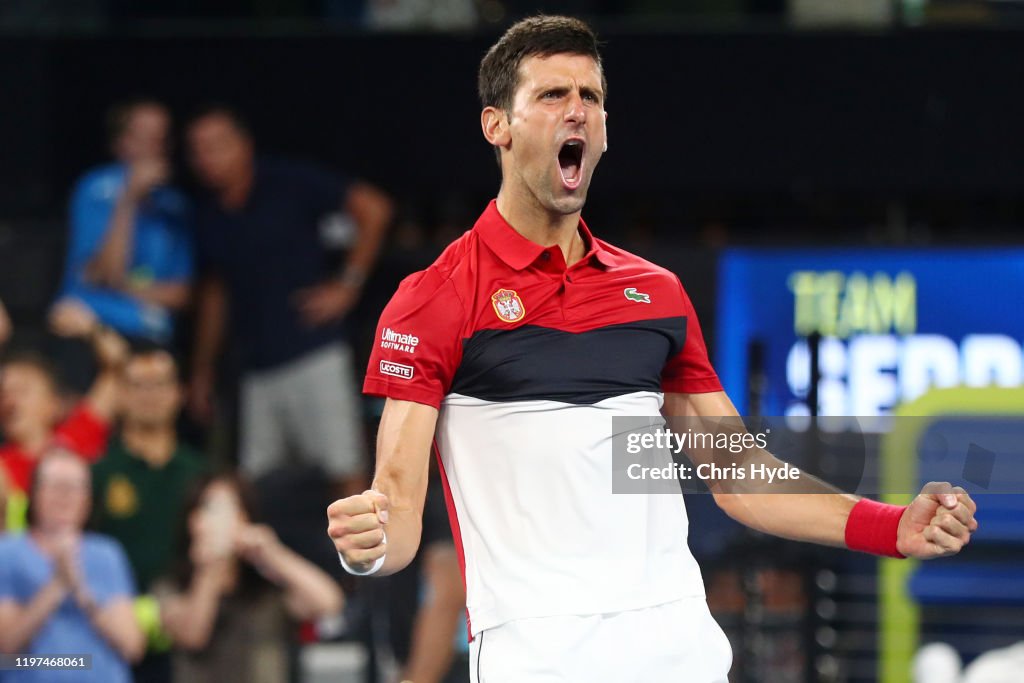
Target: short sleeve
{"type": "Point", "coordinates": [7, 562]}
{"type": "Point", "coordinates": [113, 575]}
{"type": "Point", "coordinates": [689, 371]}
{"type": "Point", "coordinates": [84, 432]}
{"type": "Point", "coordinates": [90, 211]}
{"type": "Point", "coordinates": [419, 341]}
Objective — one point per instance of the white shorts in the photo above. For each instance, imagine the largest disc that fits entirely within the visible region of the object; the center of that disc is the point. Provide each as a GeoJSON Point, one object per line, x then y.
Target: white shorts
{"type": "Point", "coordinates": [672, 643]}
{"type": "Point", "coordinates": [306, 410]}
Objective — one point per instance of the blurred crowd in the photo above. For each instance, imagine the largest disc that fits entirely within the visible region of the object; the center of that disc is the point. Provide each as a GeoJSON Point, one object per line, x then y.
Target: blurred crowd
{"type": "Point", "coordinates": [167, 454]}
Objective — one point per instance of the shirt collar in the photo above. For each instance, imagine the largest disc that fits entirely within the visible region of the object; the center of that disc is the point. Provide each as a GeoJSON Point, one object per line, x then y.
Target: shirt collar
{"type": "Point", "coordinates": [518, 252]}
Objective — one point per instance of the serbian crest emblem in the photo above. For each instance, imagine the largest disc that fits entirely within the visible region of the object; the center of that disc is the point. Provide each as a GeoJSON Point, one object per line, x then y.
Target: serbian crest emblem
{"type": "Point", "coordinates": [508, 305]}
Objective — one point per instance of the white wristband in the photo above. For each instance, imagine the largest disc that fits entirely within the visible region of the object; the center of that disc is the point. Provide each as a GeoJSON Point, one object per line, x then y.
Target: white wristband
{"type": "Point", "coordinates": [372, 570]}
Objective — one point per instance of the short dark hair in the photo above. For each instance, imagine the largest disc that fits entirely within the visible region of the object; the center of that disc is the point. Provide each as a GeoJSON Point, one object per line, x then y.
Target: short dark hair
{"type": "Point", "coordinates": [541, 36]}
{"type": "Point", "coordinates": [232, 114]}
{"type": "Point", "coordinates": [143, 348]}
{"type": "Point", "coordinates": [120, 113]}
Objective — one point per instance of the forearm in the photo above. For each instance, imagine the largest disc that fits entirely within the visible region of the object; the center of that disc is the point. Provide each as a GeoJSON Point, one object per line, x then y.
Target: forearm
{"type": "Point", "coordinates": [172, 295]}
{"type": "Point", "coordinates": [209, 326]}
{"type": "Point", "coordinates": [110, 264]}
{"type": "Point", "coordinates": [403, 465]}
{"type": "Point", "coordinates": [371, 210]}
{"type": "Point", "coordinates": [102, 396]}
{"type": "Point", "coordinates": [117, 625]}
{"type": "Point", "coordinates": [403, 530]}
{"type": "Point", "coordinates": [111, 351]}
{"type": "Point", "coordinates": [309, 592]}
{"type": "Point", "coordinates": [193, 623]}
{"type": "Point", "coordinates": [20, 630]}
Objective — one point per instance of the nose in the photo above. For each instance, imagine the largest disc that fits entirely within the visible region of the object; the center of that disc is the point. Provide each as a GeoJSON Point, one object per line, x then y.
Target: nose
{"type": "Point", "coordinates": [575, 112]}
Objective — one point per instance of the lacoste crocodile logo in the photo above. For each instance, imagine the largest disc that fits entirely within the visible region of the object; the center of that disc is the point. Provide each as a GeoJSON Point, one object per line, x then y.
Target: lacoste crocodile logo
{"type": "Point", "coordinates": [634, 295]}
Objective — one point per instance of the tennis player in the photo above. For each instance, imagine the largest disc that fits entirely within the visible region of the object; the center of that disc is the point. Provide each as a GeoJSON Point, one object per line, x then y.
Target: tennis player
{"type": "Point", "coordinates": [511, 354]}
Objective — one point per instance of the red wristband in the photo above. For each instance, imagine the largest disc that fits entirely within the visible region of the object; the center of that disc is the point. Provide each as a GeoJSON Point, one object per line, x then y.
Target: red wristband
{"type": "Point", "coordinates": [871, 528]}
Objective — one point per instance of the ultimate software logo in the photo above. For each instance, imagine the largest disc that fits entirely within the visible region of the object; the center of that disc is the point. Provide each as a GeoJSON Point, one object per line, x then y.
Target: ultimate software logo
{"type": "Point", "coordinates": [397, 341]}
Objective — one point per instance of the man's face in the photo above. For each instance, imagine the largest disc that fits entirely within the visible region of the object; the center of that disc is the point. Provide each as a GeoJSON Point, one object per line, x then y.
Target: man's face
{"type": "Point", "coordinates": [145, 134]}
{"type": "Point", "coordinates": [151, 395]}
{"type": "Point", "coordinates": [557, 126]}
{"type": "Point", "coordinates": [62, 497]}
{"type": "Point", "coordinates": [218, 150]}
{"type": "Point", "coordinates": [28, 402]}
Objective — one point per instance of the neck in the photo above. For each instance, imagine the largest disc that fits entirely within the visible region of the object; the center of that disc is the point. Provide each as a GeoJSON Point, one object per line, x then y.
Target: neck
{"type": "Point", "coordinates": [153, 444]}
{"type": "Point", "coordinates": [234, 194]}
{"type": "Point", "coordinates": [541, 225]}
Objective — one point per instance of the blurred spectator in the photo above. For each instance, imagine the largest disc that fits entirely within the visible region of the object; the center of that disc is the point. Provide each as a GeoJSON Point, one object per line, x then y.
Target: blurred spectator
{"type": "Point", "coordinates": [427, 602]}
{"type": "Point", "coordinates": [140, 485]}
{"type": "Point", "coordinates": [263, 257]}
{"type": "Point", "coordinates": [31, 411]}
{"type": "Point", "coordinates": [5, 325]}
{"type": "Point", "coordinates": [4, 489]}
{"type": "Point", "coordinates": [63, 591]}
{"type": "Point", "coordinates": [231, 605]}
{"type": "Point", "coordinates": [129, 254]}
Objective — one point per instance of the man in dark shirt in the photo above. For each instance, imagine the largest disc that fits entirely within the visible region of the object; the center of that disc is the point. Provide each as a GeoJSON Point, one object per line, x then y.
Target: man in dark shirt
{"type": "Point", "coordinates": [263, 257]}
{"type": "Point", "coordinates": [139, 488]}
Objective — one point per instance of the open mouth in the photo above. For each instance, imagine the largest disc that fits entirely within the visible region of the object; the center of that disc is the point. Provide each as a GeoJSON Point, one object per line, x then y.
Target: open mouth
{"type": "Point", "coordinates": [570, 163]}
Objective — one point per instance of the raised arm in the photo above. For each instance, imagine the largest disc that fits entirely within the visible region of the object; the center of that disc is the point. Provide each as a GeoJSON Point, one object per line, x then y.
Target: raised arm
{"type": "Point", "coordinates": [110, 264]}
{"type": "Point", "coordinates": [938, 522]}
{"type": "Point", "coordinates": [309, 593]}
{"type": "Point", "coordinates": [189, 617]}
{"type": "Point", "coordinates": [394, 504]}
{"type": "Point", "coordinates": [71, 318]}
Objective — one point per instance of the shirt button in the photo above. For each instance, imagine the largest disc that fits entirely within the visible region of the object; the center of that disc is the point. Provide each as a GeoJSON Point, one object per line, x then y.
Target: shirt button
{"type": "Point", "coordinates": [546, 256]}
{"type": "Point", "coordinates": [568, 278]}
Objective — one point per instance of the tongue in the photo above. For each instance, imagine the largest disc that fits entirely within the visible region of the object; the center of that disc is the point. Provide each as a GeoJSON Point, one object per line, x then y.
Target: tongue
{"type": "Point", "coordinates": [570, 167]}
{"type": "Point", "coordinates": [570, 170]}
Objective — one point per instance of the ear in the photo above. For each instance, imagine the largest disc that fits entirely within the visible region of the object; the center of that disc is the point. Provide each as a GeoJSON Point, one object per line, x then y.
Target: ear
{"type": "Point", "coordinates": [494, 123]}
{"type": "Point", "coordinates": [605, 131]}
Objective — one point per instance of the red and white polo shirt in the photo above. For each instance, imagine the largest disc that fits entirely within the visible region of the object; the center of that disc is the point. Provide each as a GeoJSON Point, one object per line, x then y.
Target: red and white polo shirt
{"type": "Point", "coordinates": [528, 361]}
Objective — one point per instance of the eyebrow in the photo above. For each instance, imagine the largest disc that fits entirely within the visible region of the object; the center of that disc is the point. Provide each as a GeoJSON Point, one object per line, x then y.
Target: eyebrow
{"type": "Point", "coordinates": [562, 89]}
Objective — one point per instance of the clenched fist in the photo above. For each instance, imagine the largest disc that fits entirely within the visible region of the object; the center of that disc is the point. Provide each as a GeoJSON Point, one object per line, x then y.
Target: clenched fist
{"type": "Point", "coordinates": [356, 525]}
{"type": "Point", "coordinates": [939, 522]}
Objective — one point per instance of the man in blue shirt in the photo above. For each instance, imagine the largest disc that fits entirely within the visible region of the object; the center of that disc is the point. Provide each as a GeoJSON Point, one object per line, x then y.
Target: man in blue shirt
{"type": "Point", "coordinates": [264, 257]}
{"type": "Point", "coordinates": [129, 253]}
{"type": "Point", "coordinates": [62, 591]}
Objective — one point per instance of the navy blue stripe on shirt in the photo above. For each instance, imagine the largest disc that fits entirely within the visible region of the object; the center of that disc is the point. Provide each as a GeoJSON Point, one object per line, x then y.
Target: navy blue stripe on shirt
{"type": "Point", "coordinates": [582, 368]}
